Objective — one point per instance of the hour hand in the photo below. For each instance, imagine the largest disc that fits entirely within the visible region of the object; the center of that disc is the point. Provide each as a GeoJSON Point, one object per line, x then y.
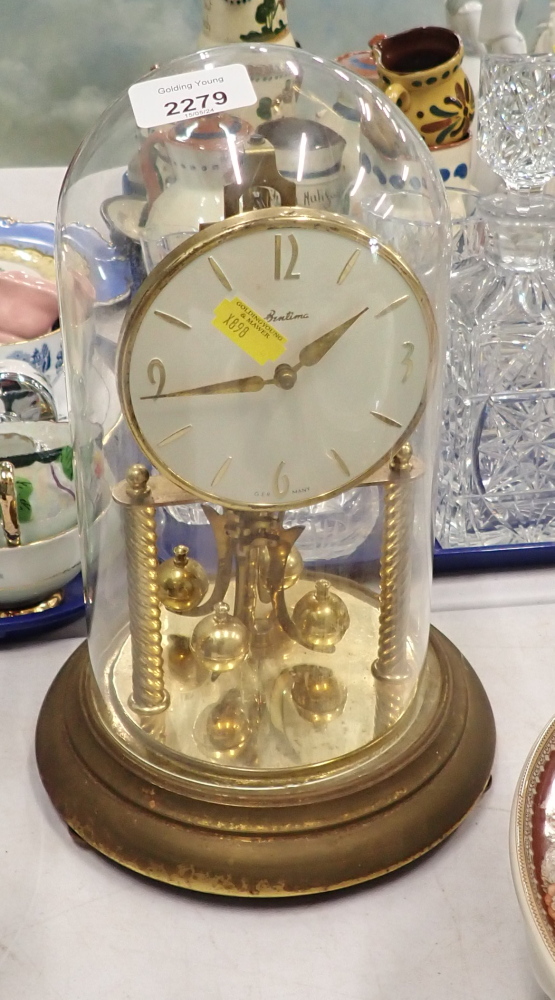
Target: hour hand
{"type": "Point", "coordinates": [253, 383]}
{"type": "Point", "coordinates": [315, 351]}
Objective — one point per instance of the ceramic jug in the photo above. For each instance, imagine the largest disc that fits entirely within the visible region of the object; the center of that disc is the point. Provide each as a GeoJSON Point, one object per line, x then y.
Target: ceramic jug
{"type": "Point", "coordinates": [260, 21]}
{"type": "Point", "coordinates": [226, 21]}
{"type": "Point", "coordinates": [321, 183]}
{"type": "Point", "coordinates": [420, 70]}
{"type": "Point", "coordinates": [200, 155]}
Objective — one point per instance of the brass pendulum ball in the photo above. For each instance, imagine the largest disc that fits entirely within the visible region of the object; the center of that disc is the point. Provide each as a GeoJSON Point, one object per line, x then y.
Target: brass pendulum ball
{"type": "Point", "coordinates": [321, 616]}
{"type": "Point", "coordinates": [293, 566]}
{"type": "Point", "coordinates": [316, 693]}
{"type": "Point", "coordinates": [220, 641]}
{"type": "Point", "coordinates": [227, 726]}
{"type": "Point", "coordinates": [182, 581]}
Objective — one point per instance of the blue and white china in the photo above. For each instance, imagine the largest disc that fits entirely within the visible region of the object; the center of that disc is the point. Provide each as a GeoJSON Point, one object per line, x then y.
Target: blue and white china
{"type": "Point", "coordinates": [108, 270]}
{"type": "Point", "coordinates": [25, 394]}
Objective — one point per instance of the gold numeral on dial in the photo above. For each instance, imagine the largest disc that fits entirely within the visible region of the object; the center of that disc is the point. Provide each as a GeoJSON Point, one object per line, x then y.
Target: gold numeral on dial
{"type": "Point", "coordinates": [385, 419]}
{"type": "Point", "coordinates": [174, 320]}
{"type": "Point", "coordinates": [333, 454]}
{"type": "Point", "coordinates": [289, 274]}
{"type": "Point", "coordinates": [407, 360]}
{"type": "Point", "coordinates": [221, 276]}
{"type": "Point", "coordinates": [392, 305]}
{"type": "Point", "coordinates": [348, 267]}
{"type": "Point", "coordinates": [156, 374]}
{"type": "Point", "coordinates": [281, 481]}
{"type": "Point", "coordinates": [222, 470]}
{"type": "Point", "coordinates": [175, 435]}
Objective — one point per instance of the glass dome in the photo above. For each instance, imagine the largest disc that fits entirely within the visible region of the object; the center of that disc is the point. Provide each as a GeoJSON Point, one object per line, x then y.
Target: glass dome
{"type": "Point", "coordinates": [255, 425]}
{"type": "Point", "coordinates": [306, 655]}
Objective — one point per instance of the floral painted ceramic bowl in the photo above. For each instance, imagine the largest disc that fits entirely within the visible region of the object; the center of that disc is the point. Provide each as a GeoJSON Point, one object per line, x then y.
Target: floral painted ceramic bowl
{"type": "Point", "coordinates": [39, 538]}
{"type": "Point", "coordinates": [35, 572]}
{"type": "Point", "coordinates": [41, 456]}
{"type": "Point", "coordinates": [532, 851]}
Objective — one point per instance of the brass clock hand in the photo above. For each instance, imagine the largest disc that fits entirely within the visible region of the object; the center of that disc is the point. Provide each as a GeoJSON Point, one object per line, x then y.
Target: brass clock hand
{"type": "Point", "coordinates": [314, 352]}
{"type": "Point", "coordinates": [284, 376]}
{"type": "Point", "coordinates": [253, 383]}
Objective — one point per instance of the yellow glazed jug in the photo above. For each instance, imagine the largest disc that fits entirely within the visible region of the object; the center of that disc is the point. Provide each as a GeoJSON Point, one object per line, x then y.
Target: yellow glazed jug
{"type": "Point", "coordinates": [420, 70]}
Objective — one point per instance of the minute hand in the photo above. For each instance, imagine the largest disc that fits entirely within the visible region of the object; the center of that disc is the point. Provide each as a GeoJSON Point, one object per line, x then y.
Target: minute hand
{"type": "Point", "coordinates": [253, 383]}
{"type": "Point", "coordinates": [314, 352]}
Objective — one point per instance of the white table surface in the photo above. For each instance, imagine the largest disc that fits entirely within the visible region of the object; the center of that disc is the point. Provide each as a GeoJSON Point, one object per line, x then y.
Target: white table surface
{"type": "Point", "coordinates": [76, 927]}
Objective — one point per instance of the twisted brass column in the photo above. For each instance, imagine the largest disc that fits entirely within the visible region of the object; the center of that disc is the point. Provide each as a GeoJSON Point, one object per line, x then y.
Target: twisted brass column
{"type": "Point", "coordinates": [149, 695]}
{"type": "Point", "coordinates": [390, 666]}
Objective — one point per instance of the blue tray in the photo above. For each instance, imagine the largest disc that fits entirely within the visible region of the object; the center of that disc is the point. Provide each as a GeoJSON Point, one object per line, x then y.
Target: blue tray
{"type": "Point", "coordinates": [493, 557]}
{"type": "Point", "coordinates": [71, 607]}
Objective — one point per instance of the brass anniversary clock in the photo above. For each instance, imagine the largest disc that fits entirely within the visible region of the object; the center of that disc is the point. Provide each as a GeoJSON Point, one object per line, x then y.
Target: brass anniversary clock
{"type": "Point", "coordinates": [260, 708]}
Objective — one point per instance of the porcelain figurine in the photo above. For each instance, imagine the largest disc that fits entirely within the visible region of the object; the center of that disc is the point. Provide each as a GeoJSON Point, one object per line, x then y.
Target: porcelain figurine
{"type": "Point", "coordinates": [498, 26]}
{"type": "Point", "coordinates": [491, 26]}
{"type": "Point", "coordinates": [545, 41]}
{"type": "Point", "coordinates": [420, 70]}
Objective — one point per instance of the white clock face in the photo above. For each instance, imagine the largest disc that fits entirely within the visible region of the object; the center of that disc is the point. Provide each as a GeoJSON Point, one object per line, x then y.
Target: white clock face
{"type": "Point", "coordinates": [275, 359]}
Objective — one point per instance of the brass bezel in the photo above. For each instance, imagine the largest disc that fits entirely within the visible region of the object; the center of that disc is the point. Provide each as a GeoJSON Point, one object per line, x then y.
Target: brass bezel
{"type": "Point", "coordinates": [202, 243]}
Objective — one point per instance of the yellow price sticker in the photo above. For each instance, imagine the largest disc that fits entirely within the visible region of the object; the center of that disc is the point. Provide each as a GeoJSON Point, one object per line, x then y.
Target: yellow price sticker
{"type": "Point", "coordinates": [250, 331]}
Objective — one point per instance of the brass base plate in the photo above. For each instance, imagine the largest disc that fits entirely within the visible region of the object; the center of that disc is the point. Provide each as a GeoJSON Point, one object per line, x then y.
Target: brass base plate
{"type": "Point", "coordinates": [45, 605]}
{"type": "Point", "coordinates": [122, 808]}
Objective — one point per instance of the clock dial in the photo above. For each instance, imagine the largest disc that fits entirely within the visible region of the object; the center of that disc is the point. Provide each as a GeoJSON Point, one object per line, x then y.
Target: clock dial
{"type": "Point", "coordinates": [276, 358]}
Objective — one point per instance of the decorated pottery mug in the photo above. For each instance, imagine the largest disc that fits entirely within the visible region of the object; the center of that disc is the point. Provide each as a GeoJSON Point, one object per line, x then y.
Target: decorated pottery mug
{"type": "Point", "coordinates": [420, 70]}
{"type": "Point", "coordinates": [318, 171]}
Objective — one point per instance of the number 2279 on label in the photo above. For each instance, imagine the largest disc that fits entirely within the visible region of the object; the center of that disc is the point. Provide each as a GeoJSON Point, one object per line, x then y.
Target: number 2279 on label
{"type": "Point", "coordinates": [189, 95]}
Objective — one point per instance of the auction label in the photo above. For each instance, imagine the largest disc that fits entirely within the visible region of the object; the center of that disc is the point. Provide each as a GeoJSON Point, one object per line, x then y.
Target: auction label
{"type": "Point", "coordinates": [246, 328]}
{"type": "Point", "coordinates": [189, 95]}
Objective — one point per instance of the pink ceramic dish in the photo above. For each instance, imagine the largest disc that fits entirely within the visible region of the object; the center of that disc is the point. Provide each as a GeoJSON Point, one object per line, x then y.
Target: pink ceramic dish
{"type": "Point", "coordinates": [532, 850]}
{"type": "Point", "coordinates": [361, 63]}
{"type": "Point", "coordinates": [28, 306]}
